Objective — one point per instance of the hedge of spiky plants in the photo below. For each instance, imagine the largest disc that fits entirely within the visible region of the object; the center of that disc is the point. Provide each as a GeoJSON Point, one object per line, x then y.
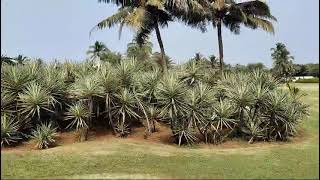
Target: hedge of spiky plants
{"type": "Point", "coordinates": [197, 103]}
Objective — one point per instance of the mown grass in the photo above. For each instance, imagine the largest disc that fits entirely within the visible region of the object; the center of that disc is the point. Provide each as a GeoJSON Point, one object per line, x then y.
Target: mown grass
{"type": "Point", "coordinates": [120, 158]}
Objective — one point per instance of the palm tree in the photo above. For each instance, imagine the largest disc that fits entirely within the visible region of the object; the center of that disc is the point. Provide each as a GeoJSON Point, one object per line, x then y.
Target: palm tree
{"type": "Point", "coordinates": [141, 53]}
{"type": "Point", "coordinates": [143, 16]}
{"type": "Point", "coordinates": [282, 65]}
{"type": "Point", "coordinates": [252, 14]}
{"type": "Point", "coordinates": [96, 51]}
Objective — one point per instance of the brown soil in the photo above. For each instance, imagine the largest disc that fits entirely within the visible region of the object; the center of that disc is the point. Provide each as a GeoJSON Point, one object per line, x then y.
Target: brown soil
{"type": "Point", "coordinates": [163, 135]}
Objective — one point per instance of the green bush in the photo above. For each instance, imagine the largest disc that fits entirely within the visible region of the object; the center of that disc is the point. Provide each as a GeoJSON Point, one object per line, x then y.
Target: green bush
{"type": "Point", "coordinates": [313, 80]}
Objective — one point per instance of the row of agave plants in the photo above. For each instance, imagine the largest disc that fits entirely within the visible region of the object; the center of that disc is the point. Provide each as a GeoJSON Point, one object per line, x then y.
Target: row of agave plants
{"type": "Point", "coordinates": [197, 103]}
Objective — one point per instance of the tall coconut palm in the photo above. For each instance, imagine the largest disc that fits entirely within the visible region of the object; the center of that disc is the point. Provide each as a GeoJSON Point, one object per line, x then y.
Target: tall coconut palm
{"type": "Point", "coordinates": [141, 53]}
{"type": "Point", "coordinates": [144, 17]}
{"type": "Point", "coordinates": [253, 14]}
{"type": "Point", "coordinates": [96, 51]}
{"type": "Point", "coordinates": [282, 65]}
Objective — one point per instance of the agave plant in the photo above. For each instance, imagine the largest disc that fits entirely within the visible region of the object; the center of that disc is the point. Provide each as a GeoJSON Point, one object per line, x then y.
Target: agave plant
{"type": "Point", "coordinates": [79, 115]}
{"type": "Point", "coordinates": [44, 135]}
{"type": "Point", "coordinates": [35, 99]}
{"type": "Point", "coordinates": [9, 130]}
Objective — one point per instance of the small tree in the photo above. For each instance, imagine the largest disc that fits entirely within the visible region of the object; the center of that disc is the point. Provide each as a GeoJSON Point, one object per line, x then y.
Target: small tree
{"type": "Point", "coordinates": [282, 65]}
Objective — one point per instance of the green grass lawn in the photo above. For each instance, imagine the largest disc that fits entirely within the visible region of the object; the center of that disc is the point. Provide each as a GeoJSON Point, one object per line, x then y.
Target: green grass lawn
{"type": "Point", "coordinates": [122, 158]}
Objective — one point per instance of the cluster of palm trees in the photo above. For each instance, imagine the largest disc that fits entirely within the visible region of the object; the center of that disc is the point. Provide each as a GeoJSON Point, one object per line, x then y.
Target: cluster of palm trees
{"type": "Point", "coordinates": [38, 99]}
{"type": "Point", "coordinates": [151, 15]}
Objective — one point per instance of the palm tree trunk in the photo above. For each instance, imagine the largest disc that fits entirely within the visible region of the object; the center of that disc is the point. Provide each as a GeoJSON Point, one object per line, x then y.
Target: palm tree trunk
{"type": "Point", "coordinates": [163, 54]}
{"type": "Point", "coordinates": [220, 45]}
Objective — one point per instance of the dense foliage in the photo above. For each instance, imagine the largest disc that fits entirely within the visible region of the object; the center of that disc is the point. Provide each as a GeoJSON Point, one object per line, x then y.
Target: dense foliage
{"type": "Point", "coordinates": [195, 101]}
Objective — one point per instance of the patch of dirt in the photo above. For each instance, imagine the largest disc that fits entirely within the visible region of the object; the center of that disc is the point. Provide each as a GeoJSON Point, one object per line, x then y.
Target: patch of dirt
{"type": "Point", "coordinates": [162, 138]}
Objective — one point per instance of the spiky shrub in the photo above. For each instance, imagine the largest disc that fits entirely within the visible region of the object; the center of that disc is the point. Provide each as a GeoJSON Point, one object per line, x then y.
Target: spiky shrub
{"type": "Point", "coordinates": [171, 98]}
{"type": "Point", "coordinates": [221, 122]}
{"type": "Point", "coordinates": [124, 110]}
{"type": "Point", "coordinates": [9, 130]}
{"type": "Point", "coordinates": [265, 111]}
{"type": "Point", "coordinates": [110, 86]}
{"type": "Point", "coordinates": [193, 73]}
{"type": "Point", "coordinates": [15, 78]}
{"type": "Point", "coordinates": [87, 89]}
{"type": "Point", "coordinates": [125, 72]}
{"type": "Point", "coordinates": [35, 99]}
{"type": "Point", "coordinates": [147, 85]}
{"type": "Point", "coordinates": [200, 100]}
{"type": "Point", "coordinates": [44, 135]}
{"type": "Point", "coordinates": [153, 114]}
{"type": "Point", "coordinates": [7, 101]}
{"type": "Point", "coordinates": [79, 114]}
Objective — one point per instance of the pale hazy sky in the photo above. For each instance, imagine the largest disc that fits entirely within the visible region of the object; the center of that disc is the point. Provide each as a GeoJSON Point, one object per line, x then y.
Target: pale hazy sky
{"type": "Point", "coordinates": [60, 29]}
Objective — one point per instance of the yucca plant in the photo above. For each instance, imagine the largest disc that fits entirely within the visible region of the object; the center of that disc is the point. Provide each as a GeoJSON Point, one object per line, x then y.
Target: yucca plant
{"type": "Point", "coordinates": [124, 110]}
{"type": "Point", "coordinates": [193, 73]}
{"type": "Point", "coordinates": [87, 89]}
{"type": "Point", "coordinates": [283, 113]}
{"type": "Point", "coordinates": [125, 72]}
{"type": "Point", "coordinates": [110, 86]}
{"type": "Point", "coordinates": [254, 127]}
{"type": "Point", "coordinates": [44, 135]}
{"type": "Point", "coordinates": [221, 123]}
{"type": "Point", "coordinates": [171, 98]}
{"type": "Point", "coordinates": [79, 115]}
{"type": "Point", "coordinates": [153, 114]}
{"type": "Point", "coordinates": [200, 99]}
{"type": "Point", "coordinates": [9, 130]}
{"type": "Point", "coordinates": [15, 78]}
{"type": "Point", "coordinates": [53, 81]}
{"type": "Point", "coordinates": [7, 101]}
{"type": "Point", "coordinates": [147, 84]}
{"type": "Point", "coordinates": [35, 99]}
